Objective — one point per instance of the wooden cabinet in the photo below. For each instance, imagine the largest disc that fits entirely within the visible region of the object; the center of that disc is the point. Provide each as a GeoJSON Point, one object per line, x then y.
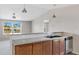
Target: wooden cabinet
{"type": "Point", "coordinates": [58, 47]}
{"type": "Point", "coordinates": [62, 46]}
{"type": "Point", "coordinates": [25, 49]}
{"type": "Point", "coordinates": [37, 48]}
{"type": "Point", "coordinates": [42, 48]}
{"type": "Point", "coordinates": [47, 47]}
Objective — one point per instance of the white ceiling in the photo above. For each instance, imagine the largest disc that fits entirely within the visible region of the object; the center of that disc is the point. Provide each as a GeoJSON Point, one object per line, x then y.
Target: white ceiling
{"type": "Point", "coordinates": [33, 10]}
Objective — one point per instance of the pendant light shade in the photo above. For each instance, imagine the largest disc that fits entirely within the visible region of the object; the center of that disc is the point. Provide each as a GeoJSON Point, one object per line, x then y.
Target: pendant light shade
{"type": "Point", "coordinates": [54, 14]}
{"type": "Point", "coordinates": [24, 10]}
{"type": "Point", "coordinates": [13, 16]}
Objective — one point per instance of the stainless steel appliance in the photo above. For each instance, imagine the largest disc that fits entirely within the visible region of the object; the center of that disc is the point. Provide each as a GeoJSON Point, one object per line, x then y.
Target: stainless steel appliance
{"type": "Point", "coordinates": [68, 44]}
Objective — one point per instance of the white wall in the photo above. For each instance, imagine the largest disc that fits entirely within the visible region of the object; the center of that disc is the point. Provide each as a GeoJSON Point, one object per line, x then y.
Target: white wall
{"type": "Point", "coordinates": [38, 23]}
{"type": "Point", "coordinates": [26, 27]}
{"type": "Point", "coordinates": [67, 20]}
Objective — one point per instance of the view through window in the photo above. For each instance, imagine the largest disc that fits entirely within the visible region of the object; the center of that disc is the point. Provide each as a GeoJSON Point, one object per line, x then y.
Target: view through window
{"type": "Point", "coordinates": [10, 27]}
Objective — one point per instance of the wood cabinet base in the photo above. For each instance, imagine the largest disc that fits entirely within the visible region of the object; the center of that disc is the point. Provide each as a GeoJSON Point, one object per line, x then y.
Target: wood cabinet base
{"type": "Point", "coordinates": [50, 47]}
{"type": "Point", "coordinates": [25, 49]}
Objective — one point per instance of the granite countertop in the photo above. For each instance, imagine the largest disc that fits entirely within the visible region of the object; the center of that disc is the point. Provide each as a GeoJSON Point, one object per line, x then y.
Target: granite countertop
{"type": "Point", "coordinates": [33, 40]}
{"type": "Point", "coordinates": [30, 38]}
{"type": "Point", "coordinates": [25, 39]}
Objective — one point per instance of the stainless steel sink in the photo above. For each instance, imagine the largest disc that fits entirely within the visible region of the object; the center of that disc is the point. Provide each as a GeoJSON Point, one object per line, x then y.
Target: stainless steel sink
{"type": "Point", "coordinates": [53, 36]}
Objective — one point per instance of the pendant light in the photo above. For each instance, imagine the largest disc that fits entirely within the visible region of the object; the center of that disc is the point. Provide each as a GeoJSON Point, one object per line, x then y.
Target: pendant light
{"type": "Point", "coordinates": [14, 17]}
{"type": "Point", "coordinates": [24, 10]}
{"type": "Point", "coordinates": [54, 15]}
{"type": "Point", "coordinates": [13, 14]}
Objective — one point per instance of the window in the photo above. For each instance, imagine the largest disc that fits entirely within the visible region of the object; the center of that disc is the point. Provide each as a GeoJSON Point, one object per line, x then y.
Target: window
{"type": "Point", "coordinates": [17, 27]}
{"type": "Point", "coordinates": [10, 27]}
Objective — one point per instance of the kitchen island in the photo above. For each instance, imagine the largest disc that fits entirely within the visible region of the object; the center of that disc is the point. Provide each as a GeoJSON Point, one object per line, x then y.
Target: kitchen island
{"type": "Point", "coordinates": [36, 44]}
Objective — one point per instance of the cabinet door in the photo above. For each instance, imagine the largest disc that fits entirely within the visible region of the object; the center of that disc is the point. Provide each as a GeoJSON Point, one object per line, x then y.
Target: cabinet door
{"type": "Point", "coordinates": [47, 48]}
{"type": "Point", "coordinates": [25, 49]}
{"type": "Point", "coordinates": [56, 47]}
{"type": "Point", "coordinates": [37, 48]}
{"type": "Point", "coordinates": [62, 46]}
